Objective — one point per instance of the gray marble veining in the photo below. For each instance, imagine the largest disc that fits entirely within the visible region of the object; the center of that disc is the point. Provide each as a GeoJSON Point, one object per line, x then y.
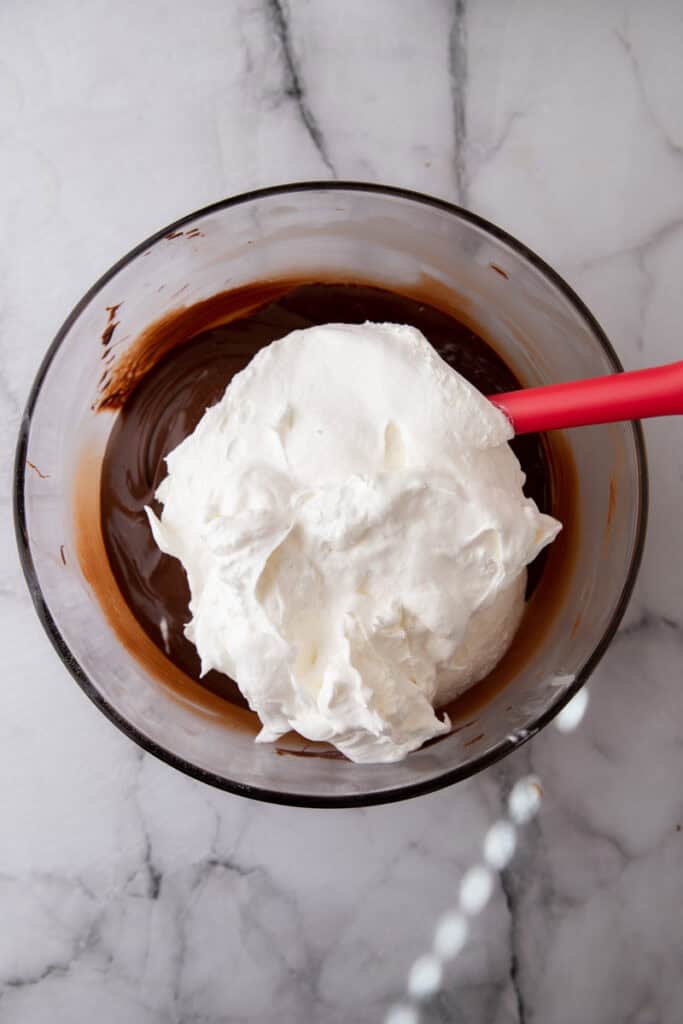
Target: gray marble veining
{"type": "Point", "coordinates": [129, 892]}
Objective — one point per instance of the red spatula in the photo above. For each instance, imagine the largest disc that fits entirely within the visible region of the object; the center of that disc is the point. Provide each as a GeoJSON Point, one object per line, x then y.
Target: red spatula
{"type": "Point", "coordinates": [621, 396]}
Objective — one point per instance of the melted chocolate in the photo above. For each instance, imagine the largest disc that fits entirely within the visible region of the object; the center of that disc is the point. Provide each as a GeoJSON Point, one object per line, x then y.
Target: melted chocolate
{"type": "Point", "coordinates": [166, 401]}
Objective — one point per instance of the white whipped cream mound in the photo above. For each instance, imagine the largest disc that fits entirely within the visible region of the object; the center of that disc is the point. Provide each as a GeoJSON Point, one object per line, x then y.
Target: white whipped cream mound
{"type": "Point", "coordinates": [355, 536]}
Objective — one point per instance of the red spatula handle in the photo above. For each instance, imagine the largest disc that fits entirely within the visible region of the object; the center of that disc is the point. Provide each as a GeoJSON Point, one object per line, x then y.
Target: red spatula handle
{"type": "Point", "coordinates": [620, 396]}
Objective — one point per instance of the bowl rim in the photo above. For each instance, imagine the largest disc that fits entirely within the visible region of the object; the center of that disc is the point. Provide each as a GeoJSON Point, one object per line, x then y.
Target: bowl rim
{"type": "Point", "coordinates": [372, 797]}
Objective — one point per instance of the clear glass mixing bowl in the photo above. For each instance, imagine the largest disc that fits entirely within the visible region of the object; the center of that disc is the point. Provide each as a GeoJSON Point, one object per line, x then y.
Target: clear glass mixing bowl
{"type": "Point", "coordinates": [388, 237]}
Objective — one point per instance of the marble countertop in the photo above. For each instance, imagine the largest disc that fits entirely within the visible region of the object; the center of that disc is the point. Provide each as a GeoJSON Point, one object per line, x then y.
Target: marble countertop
{"type": "Point", "coordinates": [132, 893]}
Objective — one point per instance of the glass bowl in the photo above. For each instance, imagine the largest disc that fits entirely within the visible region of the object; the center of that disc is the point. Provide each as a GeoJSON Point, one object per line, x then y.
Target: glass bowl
{"type": "Point", "coordinates": [325, 231]}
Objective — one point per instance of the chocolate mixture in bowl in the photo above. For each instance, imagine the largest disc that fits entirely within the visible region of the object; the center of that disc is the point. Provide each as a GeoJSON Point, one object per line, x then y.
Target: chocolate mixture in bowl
{"type": "Point", "coordinates": [184, 365]}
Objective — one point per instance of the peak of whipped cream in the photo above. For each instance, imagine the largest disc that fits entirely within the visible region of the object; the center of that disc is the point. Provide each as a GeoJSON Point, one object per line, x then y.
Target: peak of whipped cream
{"type": "Point", "coordinates": [355, 535]}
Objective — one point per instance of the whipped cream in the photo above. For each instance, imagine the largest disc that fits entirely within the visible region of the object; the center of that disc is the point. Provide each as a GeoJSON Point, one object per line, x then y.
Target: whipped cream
{"type": "Point", "coordinates": [355, 535]}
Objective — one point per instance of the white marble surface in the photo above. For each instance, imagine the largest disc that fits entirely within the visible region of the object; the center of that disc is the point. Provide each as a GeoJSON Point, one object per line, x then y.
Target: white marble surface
{"type": "Point", "coordinates": [130, 893]}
